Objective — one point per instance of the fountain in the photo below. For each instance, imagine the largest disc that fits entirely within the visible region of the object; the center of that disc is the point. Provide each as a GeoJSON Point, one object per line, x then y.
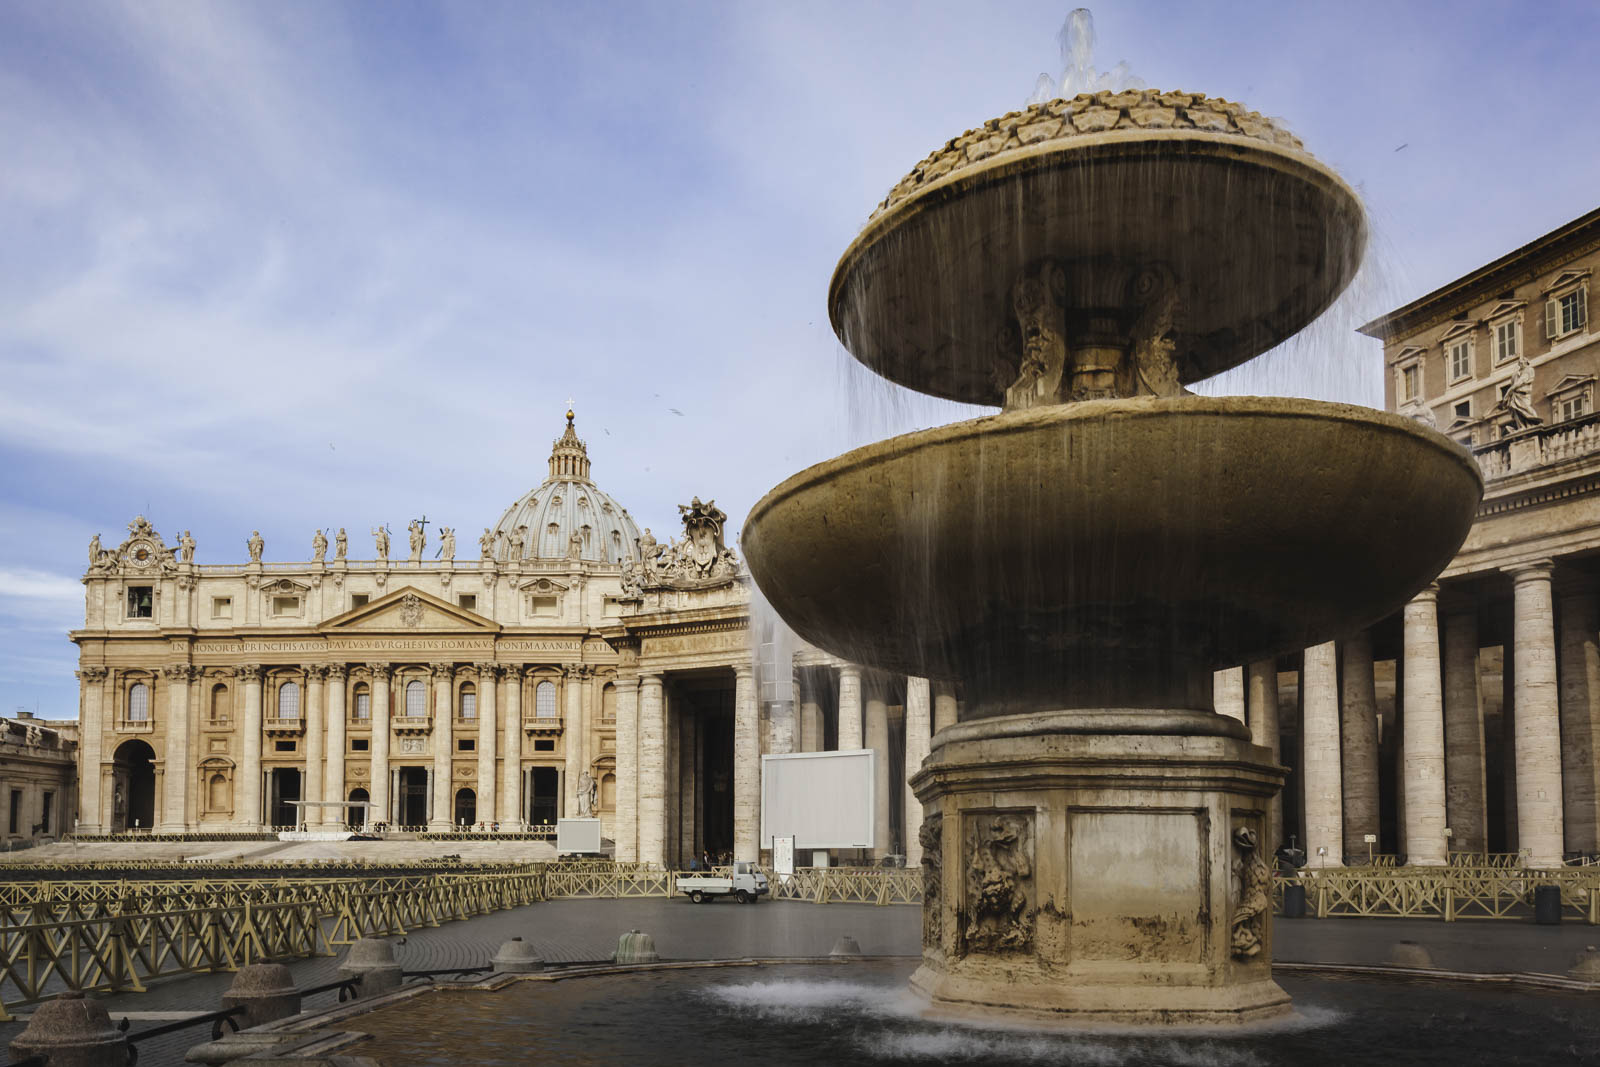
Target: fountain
{"type": "Point", "coordinates": [1095, 833]}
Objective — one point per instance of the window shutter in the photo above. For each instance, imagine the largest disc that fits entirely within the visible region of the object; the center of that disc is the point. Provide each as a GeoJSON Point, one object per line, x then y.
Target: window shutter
{"type": "Point", "coordinates": [1583, 307]}
{"type": "Point", "coordinates": [1550, 313]}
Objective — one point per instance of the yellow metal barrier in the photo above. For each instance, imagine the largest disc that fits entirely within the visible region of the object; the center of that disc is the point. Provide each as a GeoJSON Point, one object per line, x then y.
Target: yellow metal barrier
{"type": "Point", "coordinates": [1449, 893]}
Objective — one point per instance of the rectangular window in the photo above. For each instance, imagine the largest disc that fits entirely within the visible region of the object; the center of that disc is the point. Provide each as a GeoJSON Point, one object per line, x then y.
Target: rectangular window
{"type": "Point", "coordinates": [544, 606]}
{"type": "Point", "coordinates": [359, 744]}
{"type": "Point", "coordinates": [286, 605]}
{"type": "Point", "coordinates": [1463, 409]}
{"type": "Point", "coordinates": [283, 746]}
{"type": "Point", "coordinates": [468, 601]}
{"type": "Point", "coordinates": [46, 813]}
{"type": "Point", "coordinates": [1460, 356]}
{"type": "Point", "coordinates": [16, 810]}
{"type": "Point", "coordinates": [141, 602]}
{"type": "Point", "coordinates": [467, 744]}
{"type": "Point", "coordinates": [1566, 313]}
{"type": "Point", "coordinates": [1574, 407]}
{"type": "Point", "coordinates": [469, 705]}
{"type": "Point", "coordinates": [1410, 379]}
{"type": "Point", "coordinates": [1466, 441]}
{"type": "Point", "coordinates": [222, 607]}
{"type": "Point", "coordinates": [544, 745]}
{"type": "Point", "coordinates": [359, 600]}
{"type": "Point", "coordinates": [1505, 341]}
{"type": "Point", "coordinates": [363, 707]}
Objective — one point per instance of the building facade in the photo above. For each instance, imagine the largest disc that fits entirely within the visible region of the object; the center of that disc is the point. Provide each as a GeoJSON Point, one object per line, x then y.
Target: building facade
{"type": "Point", "coordinates": [38, 779]}
{"type": "Point", "coordinates": [575, 665]}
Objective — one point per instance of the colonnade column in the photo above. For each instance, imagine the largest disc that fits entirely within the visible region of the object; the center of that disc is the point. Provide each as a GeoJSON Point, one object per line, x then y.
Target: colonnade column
{"type": "Point", "coordinates": [316, 739]}
{"type": "Point", "coordinates": [1358, 730]}
{"type": "Point", "coordinates": [91, 733]}
{"type": "Point", "coordinates": [1540, 832]}
{"type": "Point", "coordinates": [444, 748]}
{"type": "Point", "coordinates": [1463, 736]}
{"type": "Point", "coordinates": [488, 738]}
{"type": "Point", "coordinates": [1580, 720]}
{"type": "Point", "coordinates": [248, 809]}
{"type": "Point", "coordinates": [171, 817]}
{"type": "Point", "coordinates": [1227, 692]}
{"type": "Point", "coordinates": [746, 767]}
{"type": "Point", "coordinates": [652, 771]}
{"type": "Point", "coordinates": [573, 735]}
{"type": "Point", "coordinates": [1319, 735]}
{"type": "Point", "coordinates": [378, 777]}
{"type": "Point", "coordinates": [849, 708]}
{"type": "Point", "coordinates": [1261, 710]}
{"type": "Point", "coordinates": [919, 722]}
{"type": "Point", "coordinates": [513, 815]}
{"type": "Point", "coordinates": [625, 831]}
{"type": "Point", "coordinates": [1422, 737]}
{"type": "Point", "coordinates": [875, 735]}
{"type": "Point", "coordinates": [810, 714]}
{"type": "Point", "coordinates": [944, 705]}
{"type": "Point", "coordinates": [333, 757]}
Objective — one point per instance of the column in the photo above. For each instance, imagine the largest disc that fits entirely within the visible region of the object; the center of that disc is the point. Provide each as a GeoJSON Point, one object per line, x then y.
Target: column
{"type": "Point", "coordinates": [919, 723]}
{"type": "Point", "coordinates": [944, 705]}
{"type": "Point", "coordinates": [875, 728]}
{"type": "Point", "coordinates": [1227, 692]}
{"type": "Point", "coordinates": [170, 818]}
{"type": "Point", "coordinates": [573, 738]}
{"type": "Point", "coordinates": [513, 813]}
{"type": "Point", "coordinates": [247, 812]}
{"type": "Point", "coordinates": [810, 712]}
{"type": "Point", "coordinates": [849, 708]}
{"type": "Point", "coordinates": [652, 771]}
{"type": "Point", "coordinates": [781, 719]}
{"type": "Point", "coordinates": [746, 767]}
{"type": "Point", "coordinates": [1464, 790]}
{"type": "Point", "coordinates": [1422, 738]}
{"type": "Point", "coordinates": [1540, 831]}
{"type": "Point", "coordinates": [626, 830]}
{"type": "Point", "coordinates": [444, 748]}
{"type": "Point", "coordinates": [378, 777]}
{"type": "Point", "coordinates": [333, 757]}
{"type": "Point", "coordinates": [1319, 734]}
{"type": "Point", "coordinates": [316, 741]}
{"type": "Point", "coordinates": [1358, 730]}
{"type": "Point", "coordinates": [1580, 720]}
{"type": "Point", "coordinates": [488, 738]}
{"type": "Point", "coordinates": [686, 749]}
{"type": "Point", "coordinates": [91, 729]}
{"type": "Point", "coordinates": [1261, 709]}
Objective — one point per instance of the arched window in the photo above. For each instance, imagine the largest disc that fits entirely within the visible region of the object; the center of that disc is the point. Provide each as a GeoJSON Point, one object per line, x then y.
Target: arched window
{"type": "Point", "coordinates": [221, 704]}
{"type": "Point", "coordinates": [289, 700]}
{"type": "Point", "coordinates": [608, 703]}
{"type": "Point", "coordinates": [469, 701]}
{"type": "Point", "coordinates": [416, 700]}
{"type": "Point", "coordinates": [139, 702]}
{"type": "Point", "coordinates": [544, 700]}
{"type": "Point", "coordinates": [363, 704]}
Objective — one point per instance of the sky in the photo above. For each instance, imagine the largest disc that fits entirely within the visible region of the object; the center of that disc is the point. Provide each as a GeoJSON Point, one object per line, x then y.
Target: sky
{"type": "Point", "coordinates": [307, 263]}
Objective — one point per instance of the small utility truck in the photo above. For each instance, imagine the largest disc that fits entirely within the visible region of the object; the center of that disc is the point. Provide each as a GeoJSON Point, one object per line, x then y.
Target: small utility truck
{"type": "Point", "coordinates": [746, 885]}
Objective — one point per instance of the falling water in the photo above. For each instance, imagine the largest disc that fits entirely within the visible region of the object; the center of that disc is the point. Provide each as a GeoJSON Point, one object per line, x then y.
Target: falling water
{"type": "Point", "coordinates": [1078, 74]}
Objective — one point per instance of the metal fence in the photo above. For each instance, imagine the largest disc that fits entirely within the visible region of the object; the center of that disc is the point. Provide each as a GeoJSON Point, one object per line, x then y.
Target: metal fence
{"type": "Point", "coordinates": [1450, 893]}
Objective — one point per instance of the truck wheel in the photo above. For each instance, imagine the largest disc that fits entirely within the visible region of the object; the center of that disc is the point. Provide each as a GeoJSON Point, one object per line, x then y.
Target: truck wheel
{"type": "Point", "coordinates": [742, 897]}
{"type": "Point", "coordinates": [698, 897]}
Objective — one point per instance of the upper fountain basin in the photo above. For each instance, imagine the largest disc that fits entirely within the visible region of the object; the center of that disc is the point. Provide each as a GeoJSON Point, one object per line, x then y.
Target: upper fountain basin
{"type": "Point", "coordinates": [1112, 553]}
{"type": "Point", "coordinates": [1257, 236]}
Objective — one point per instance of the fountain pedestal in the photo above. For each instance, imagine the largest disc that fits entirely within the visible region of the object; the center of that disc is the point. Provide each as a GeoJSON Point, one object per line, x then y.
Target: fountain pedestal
{"type": "Point", "coordinates": [1093, 877]}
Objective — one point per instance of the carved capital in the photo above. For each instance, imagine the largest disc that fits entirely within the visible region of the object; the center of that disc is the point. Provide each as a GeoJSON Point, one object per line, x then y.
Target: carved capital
{"type": "Point", "coordinates": [251, 672]}
{"type": "Point", "coordinates": [443, 672]}
{"type": "Point", "coordinates": [92, 675]}
{"type": "Point", "coordinates": [489, 672]}
{"type": "Point", "coordinates": [337, 672]}
{"type": "Point", "coordinates": [316, 672]}
{"type": "Point", "coordinates": [384, 671]}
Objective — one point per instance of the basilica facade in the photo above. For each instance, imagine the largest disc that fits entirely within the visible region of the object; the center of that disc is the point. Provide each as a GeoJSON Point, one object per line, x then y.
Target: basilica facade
{"type": "Point", "coordinates": [570, 664]}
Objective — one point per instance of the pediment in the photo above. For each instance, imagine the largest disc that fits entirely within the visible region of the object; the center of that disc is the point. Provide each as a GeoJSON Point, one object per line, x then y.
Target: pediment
{"type": "Point", "coordinates": [409, 608]}
{"type": "Point", "coordinates": [1569, 383]}
{"type": "Point", "coordinates": [1457, 329]}
{"type": "Point", "coordinates": [1504, 308]}
{"type": "Point", "coordinates": [1408, 352]}
{"type": "Point", "coordinates": [543, 586]}
{"type": "Point", "coordinates": [1565, 279]}
{"type": "Point", "coordinates": [286, 587]}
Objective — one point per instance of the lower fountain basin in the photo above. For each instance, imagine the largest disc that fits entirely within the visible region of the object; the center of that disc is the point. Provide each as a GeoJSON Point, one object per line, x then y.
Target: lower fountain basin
{"type": "Point", "coordinates": [1112, 554]}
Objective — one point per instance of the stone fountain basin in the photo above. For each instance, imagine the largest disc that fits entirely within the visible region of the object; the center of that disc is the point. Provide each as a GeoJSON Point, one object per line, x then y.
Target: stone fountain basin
{"type": "Point", "coordinates": [1111, 554]}
{"type": "Point", "coordinates": [1259, 237]}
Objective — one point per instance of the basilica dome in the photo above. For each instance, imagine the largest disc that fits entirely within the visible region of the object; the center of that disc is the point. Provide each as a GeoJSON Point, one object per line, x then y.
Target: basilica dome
{"type": "Point", "coordinates": [568, 516]}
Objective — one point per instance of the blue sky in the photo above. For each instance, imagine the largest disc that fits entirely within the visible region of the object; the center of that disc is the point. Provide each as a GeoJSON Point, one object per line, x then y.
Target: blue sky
{"type": "Point", "coordinates": [282, 265]}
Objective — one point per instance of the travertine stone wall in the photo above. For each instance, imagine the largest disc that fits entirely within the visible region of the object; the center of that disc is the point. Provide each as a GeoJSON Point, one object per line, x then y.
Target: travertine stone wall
{"type": "Point", "coordinates": [850, 708]}
{"type": "Point", "coordinates": [1580, 719]}
{"type": "Point", "coordinates": [746, 766]}
{"type": "Point", "coordinates": [1227, 693]}
{"type": "Point", "coordinates": [627, 821]}
{"type": "Point", "coordinates": [1261, 708]}
{"type": "Point", "coordinates": [488, 743]}
{"type": "Point", "coordinates": [919, 716]}
{"type": "Point", "coordinates": [652, 772]}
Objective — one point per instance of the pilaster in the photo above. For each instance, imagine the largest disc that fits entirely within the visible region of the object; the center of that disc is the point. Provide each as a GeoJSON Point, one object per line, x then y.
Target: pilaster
{"type": "Point", "coordinates": [442, 817]}
{"type": "Point", "coordinates": [247, 814]}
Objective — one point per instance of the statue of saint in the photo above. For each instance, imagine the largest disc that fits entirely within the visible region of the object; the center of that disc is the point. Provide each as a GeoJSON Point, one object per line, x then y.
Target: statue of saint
{"type": "Point", "coordinates": [447, 542]}
{"type": "Point", "coordinates": [585, 795]}
{"type": "Point", "coordinates": [486, 544]}
{"type": "Point", "coordinates": [1518, 401]}
{"type": "Point", "coordinates": [340, 544]}
{"type": "Point", "coordinates": [381, 535]}
{"type": "Point", "coordinates": [186, 545]}
{"type": "Point", "coordinates": [95, 550]}
{"type": "Point", "coordinates": [255, 545]}
{"type": "Point", "coordinates": [419, 540]}
{"type": "Point", "coordinates": [319, 546]}
{"type": "Point", "coordinates": [515, 542]}
{"type": "Point", "coordinates": [575, 546]}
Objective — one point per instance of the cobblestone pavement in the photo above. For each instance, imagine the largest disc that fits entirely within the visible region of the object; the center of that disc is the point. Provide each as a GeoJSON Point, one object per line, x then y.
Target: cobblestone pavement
{"type": "Point", "coordinates": [575, 931]}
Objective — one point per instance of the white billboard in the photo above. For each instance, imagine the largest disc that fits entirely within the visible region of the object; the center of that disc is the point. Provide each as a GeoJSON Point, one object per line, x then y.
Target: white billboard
{"type": "Point", "coordinates": [821, 799]}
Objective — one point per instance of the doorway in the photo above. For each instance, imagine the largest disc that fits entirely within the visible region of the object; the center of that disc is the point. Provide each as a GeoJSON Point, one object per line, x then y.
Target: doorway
{"type": "Point", "coordinates": [284, 789]}
{"type": "Point", "coordinates": [466, 812]}
{"type": "Point", "coordinates": [544, 796]}
{"type": "Point", "coordinates": [133, 787]}
{"type": "Point", "coordinates": [411, 800]}
{"type": "Point", "coordinates": [354, 816]}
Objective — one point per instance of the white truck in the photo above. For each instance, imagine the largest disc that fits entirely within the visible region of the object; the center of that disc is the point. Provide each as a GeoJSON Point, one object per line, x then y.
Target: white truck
{"type": "Point", "coordinates": [746, 885]}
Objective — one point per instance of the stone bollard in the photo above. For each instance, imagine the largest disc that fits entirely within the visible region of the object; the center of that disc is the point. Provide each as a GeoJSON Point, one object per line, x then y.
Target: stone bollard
{"type": "Point", "coordinates": [1410, 954]}
{"type": "Point", "coordinates": [372, 960]}
{"type": "Point", "coordinates": [1587, 968]}
{"type": "Point", "coordinates": [72, 1031]}
{"type": "Point", "coordinates": [516, 957]}
{"type": "Point", "coordinates": [267, 993]}
{"type": "Point", "coordinates": [845, 946]}
{"type": "Point", "coordinates": [634, 947]}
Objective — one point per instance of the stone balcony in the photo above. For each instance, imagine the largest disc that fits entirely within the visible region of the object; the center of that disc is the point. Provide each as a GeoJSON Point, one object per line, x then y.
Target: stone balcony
{"type": "Point", "coordinates": [411, 725]}
{"type": "Point", "coordinates": [283, 727]}
{"type": "Point", "coordinates": [136, 726]}
{"type": "Point", "coordinates": [1537, 447]}
{"type": "Point", "coordinates": [548, 726]}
